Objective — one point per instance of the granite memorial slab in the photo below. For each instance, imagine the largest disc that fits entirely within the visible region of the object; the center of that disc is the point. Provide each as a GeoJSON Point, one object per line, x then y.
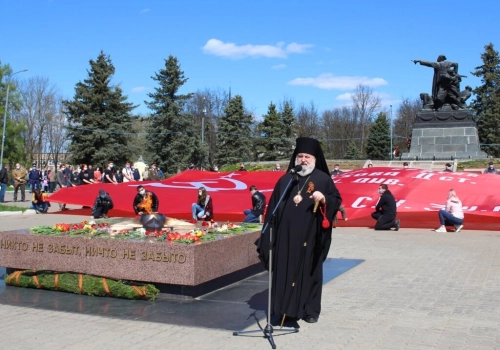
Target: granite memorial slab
{"type": "Point", "coordinates": [176, 266]}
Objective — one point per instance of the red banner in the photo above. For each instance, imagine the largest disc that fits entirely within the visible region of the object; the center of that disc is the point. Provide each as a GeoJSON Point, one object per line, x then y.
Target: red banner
{"type": "Point", "coordinates": [229, 191]}
{"type": "Point", "coordinates": [416, 191]}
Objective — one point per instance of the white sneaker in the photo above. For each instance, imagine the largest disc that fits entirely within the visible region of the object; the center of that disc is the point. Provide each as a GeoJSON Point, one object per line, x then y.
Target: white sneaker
{"type": "Point", "coordinates": [441, 229]}
{"type": "Point", "coordinates": [458, 228]}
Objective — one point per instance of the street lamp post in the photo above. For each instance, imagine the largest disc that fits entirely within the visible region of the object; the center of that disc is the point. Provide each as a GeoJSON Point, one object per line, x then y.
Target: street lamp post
{"type": "Point", "coordinates": [391, 131]}
{"type": "Point", "coordinates": [5, 113]}
{"type": "Point", "coordinates": [203, 132]}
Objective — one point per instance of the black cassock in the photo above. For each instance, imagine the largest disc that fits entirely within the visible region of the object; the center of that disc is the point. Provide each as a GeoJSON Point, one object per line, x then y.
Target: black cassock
{"type": "Point", "coordinates": [290, 227]}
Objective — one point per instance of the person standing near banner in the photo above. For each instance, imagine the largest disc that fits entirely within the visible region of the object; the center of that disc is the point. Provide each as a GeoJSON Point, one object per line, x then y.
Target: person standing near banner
{"type": "Point", "coordinates": [300, 241]}
{"type": "Point", "coordinates": [19, 176]}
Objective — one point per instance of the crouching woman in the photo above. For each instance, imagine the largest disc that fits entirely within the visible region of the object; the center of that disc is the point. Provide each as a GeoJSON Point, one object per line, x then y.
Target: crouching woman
{"type": "Point", "coordinates": [452, 214]}
{"type": "Point", "coordinates": [203, 208]}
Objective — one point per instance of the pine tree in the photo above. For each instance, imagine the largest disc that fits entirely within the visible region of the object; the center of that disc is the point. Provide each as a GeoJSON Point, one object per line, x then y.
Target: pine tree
{"type": "Point", "coordinates": [486, 104]}
{"type": "Point", "coordinates": [172, 139]}
{"type": "Point", "coordinates": [288, 122]}
{"type": "Point", "coordinates": [14, 142]}
{"type": "Point", "coordinates": [99, 117]}
{"type": "Point", "coordinates": [378, 144]}
{"type": "Point", "coordinates": [271, 133]}
{"type": "Point", "coordinates": [233, 141]}
{"type": "Point", "coordinates": [353, 151]}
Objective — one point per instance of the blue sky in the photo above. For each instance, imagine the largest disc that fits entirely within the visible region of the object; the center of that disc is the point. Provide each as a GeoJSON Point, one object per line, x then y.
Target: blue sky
{"type": "Point", "coordinates": [265, 50]}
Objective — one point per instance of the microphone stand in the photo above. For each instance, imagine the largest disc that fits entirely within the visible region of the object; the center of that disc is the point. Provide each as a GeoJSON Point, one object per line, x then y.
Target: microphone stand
{"type": "Point", "coordinates": [268, 330]}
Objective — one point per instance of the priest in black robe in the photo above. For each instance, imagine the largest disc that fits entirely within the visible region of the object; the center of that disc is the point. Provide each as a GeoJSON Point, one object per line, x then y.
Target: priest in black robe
{"type": "Point", "coordinates": [296, 223]}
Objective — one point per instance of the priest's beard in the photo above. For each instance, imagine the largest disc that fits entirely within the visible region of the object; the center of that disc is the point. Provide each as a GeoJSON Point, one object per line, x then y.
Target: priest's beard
{"type": "Point", "coordinates": [306, 169]}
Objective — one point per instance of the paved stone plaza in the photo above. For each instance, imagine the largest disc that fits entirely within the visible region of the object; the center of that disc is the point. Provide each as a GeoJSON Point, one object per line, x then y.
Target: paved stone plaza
{"type": "Point", "coordinates": [416, 289]}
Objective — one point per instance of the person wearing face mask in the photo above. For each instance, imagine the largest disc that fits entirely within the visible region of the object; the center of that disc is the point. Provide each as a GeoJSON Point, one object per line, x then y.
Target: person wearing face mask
{"type": "Point", "coordinates": [19, 176]}
{"type": "Point", "coordinates": [84, 176]}
{"type": "Point", "coordinates": [385, 210]}
{"type": "Point", "coordinates": [109, 175]}
{"type": "Point", "coordinates": [103, 203]}
{"type": "Point", "coordinates": [491, 169]}
{"type": "Point", "coordinates": [336, 170]}
{"type": "Point", "coordinates": [35, 177]}
{"type": "Point", "coordinates": [143, 197]}
{"type": "Point", "coordinates": [203, 209]}
{"type": "Point", "coordinates": [153, 173]}
{"type": "Point", "coordinates": [277, 167]}
{"type": "Point", "coordinates": [127, 173]}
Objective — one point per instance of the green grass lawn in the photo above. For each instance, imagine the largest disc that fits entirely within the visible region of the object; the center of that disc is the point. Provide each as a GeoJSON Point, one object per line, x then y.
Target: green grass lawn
{"type": "Point", "coordinates": [11, 208]}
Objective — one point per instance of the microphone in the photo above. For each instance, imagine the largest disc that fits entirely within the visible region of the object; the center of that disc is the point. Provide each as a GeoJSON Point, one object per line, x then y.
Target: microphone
{"type": "Point", "coordinates": [296, 169]}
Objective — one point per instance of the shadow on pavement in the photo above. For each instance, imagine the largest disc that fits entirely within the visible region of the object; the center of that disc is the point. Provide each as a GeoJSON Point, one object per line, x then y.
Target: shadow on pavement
{"type": "Point", "coordinates": [234, 307]}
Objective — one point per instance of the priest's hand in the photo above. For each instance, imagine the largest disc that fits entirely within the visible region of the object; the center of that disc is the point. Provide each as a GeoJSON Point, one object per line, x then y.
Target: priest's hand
{"type": "Point", "coordinates": [318, 197]}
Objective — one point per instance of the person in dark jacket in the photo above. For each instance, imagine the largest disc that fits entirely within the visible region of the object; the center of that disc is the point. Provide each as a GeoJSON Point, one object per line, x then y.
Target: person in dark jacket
{"type": "Point", "coordinates": [145, 202]}
{"type": "Point", "coordinates": [35, 177]}
{"type": "Point", "coordinates": [203, 209]}
{"type": "Point", "coordinates": [4, 180]}
{"type": "Point", "coordinates": [385, 210]}
{"type": "Point", "coordinates": [103, 203]}
{"type": "Point", "coordinates": [258, 205]}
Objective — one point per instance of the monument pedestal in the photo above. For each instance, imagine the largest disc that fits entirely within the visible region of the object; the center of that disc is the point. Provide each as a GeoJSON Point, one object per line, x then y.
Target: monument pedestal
{"type": "Point", "coordinates": [444, 135]}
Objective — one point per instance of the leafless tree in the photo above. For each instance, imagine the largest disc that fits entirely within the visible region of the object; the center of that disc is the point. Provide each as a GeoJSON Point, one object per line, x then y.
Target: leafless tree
{"type": "Point", "coordinates": [365, 105]}
{"type": "Point", "coordinates": [206, 107]}
{"type": "Point", "coordinates": [403, 124]}
{"type": "Point", "coordinates": [56, 134]}
{"type": "Point", "coordinates": [308, 121]}
{"type": "Point", "coordinates": [339, 127]}
{"type": "Point", "coordinates": [40, 106]}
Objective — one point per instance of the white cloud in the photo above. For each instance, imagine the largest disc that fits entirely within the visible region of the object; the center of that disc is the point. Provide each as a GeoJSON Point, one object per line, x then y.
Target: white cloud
{"type": "Point", "coordinates": [279, 66]}
{"type": "Point", "coordinates": [219, 48]}
{"type": "Point", "coordinates": [139, 89]}
{"type": "Point", "coordinates": [144, 10]}
{"type": "Point", "coordinates": [298, 48]}
{"type": "Point", "coordinates": [328, 81]}
{"type": "Point", "coordinates": [344, 97]}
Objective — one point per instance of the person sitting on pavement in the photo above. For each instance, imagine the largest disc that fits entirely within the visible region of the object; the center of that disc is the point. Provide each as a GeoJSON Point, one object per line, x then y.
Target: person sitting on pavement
{"type": "Point", "coordinates": [452, 214]}
{"type": "Point", "coordinates": [491, 169]}
{"type": "Point", "coordinates": [145, 202]}
{"type": "Point", "coordinates": [38, 202]}
{"type": "Point", "coordinates": [103, 203]}
{"type": "Point", "coordinates": [258, 205]}
{"type": "Point", "coordinates": [203, 208]}
{"type": "Point", "coordinates": [448, 167]}
{"type": "Point", "coordinates": [386, 210]}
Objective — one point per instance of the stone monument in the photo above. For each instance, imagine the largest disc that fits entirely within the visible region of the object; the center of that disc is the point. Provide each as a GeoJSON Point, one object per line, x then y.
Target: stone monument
{"type": "Point", "coordinates": [444, 128]}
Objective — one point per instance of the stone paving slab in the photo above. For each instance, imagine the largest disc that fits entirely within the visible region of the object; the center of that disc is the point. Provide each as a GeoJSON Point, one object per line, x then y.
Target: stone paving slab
{"type": "Point", "coordinates": [416, 289]}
